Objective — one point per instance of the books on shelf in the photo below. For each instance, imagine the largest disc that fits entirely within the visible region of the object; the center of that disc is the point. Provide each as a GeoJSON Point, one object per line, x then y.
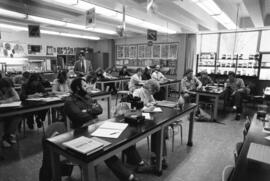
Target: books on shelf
{"type": "Point", "coordinates": [85, 145]}
{"type": "Point", "coordinates": [110, 130]}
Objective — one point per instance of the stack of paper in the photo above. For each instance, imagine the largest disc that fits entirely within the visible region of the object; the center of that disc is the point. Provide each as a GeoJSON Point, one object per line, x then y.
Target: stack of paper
{"type": "Point", "coordinates": [110, 130]}
{"type": "Point", "coordinates": [259, 152]}
{"type": "Point", "coordinates": [155, 109]}
{"type": "Point", "coordinates": [11, 104]}
{"type": "Point", "coordinates": [166, 103]}
{"type": "Point", "coordinates": [84, 145]}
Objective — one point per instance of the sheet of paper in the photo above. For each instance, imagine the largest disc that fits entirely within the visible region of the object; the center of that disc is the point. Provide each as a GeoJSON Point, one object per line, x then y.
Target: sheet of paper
{"type": "Point", "coordinates": [146, 115]}
{"type": "Point", "coordinates": [94, 91]}
{"type": "Point", "coordinates": [107, 133]}
{"type": "Point", "coordinates": [114, 125]}
{"type": "Point", "coordinates": [265, 131]}
{"type": "Point", "coordinates": [11, 104]}
{"type": "Point", "coordinates": [157, 109]}
{"type": "Point", "coordinates": [50, 99]}
{"type": "Point", "coordinates": [267, 137]}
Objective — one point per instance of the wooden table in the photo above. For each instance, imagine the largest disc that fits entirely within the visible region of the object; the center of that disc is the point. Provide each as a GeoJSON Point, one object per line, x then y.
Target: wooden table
{"type": "Point", "coordinates": [130, 136]}
{"type": "Point", "coordinates": [32, 106]}
{"type": "Point", "coordinates": [215, 93]}
{"type": "Point", "coordinates": [251, 171]}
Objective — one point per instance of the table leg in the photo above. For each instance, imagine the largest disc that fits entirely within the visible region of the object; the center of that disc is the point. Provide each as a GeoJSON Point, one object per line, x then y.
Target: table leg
{"type": "Point", "coordinates": [160, 152]}
{"type": "Point", "coordinates": [190, 129]}
{"type": "Point", "coordinates": [216, 108]}
{"type": "Point", "coordinates": [109, 107]}
{"type": "Point", "coordinates": [167, 92]}
{"type": "Point", "coordinates": [89, 173]}
{"type": "Point", "coordinates": [55, 164]}
{"type": "Point", "coordinates": [102, 86]}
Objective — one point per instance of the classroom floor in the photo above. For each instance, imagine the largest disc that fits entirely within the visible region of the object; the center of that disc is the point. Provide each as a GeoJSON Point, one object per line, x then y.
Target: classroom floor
{"type": "Point", "coordinates": [212, 151]}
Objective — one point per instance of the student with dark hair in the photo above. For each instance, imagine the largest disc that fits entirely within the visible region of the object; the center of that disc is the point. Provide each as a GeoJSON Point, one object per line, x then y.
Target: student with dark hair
{"type": "Point", "coordinates": [235, 88]}
{"type": "Point", "coordinates": [61, 84]}
{"type": "Point", "coordinates": [103, 75]}
{"type": "Point", "coordinates": [135, 80]}
{"type": "Point", "coordinates": [124, 72]}
{"type": "Point", "coordinates": [91, 80]}
{"type": "Point", "coordinates": [146, 74]}
{"type": "Point", "coordinates": [33, 89]}
{"type": "Point", "coordinates": [81, 110]}
{"type": "Point", "coordinates": [8, 125]}
{"type": "Point", "coordinates": [205, 79]}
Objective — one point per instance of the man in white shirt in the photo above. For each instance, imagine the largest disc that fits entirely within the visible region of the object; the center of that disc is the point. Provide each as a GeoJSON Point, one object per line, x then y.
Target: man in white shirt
{"type": "Point", "coordinates": [135, 80]}
{"type": "Point", "coordinates": [157, 75]}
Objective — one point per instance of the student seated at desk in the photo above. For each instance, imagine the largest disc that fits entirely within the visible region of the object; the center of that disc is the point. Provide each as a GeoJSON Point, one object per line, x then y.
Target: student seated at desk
{"type": "Point", "coordinates": [205, 79]}
{"type": "Point", "coordinates": [8, 125]}
{"type": "Point", "coordinates": [61, 84]}
{"type": "Point", "coordinates": [81, 109]}
{"type": "Point", "coordinates": [235, 88]}
{"type": "Point", "coordinates": [158, 76]}
{"type": "Point", "coordinates": [189, 83]}
{"type": "Point", "coordinates": [34, 89]}
{"type": "Point", "coordinates": [103, 75]}
{"type": "Point", "coordinates": [135, 80]}
{"type": "Point", "coordinates": [91, 80]}
{"type": "Point", "coordinates": [147, 73]}
{"type": "Point", "coordinates": [146, 94]}
{"type": "Point", "coordinates": [124, 72]}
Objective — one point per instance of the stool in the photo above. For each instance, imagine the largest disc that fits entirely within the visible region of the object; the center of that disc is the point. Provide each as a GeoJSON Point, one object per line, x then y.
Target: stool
{"type": "Point", "coordinates": [173, 125]}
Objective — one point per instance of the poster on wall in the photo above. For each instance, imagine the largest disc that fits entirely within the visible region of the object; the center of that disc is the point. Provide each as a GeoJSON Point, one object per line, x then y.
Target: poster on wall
{"type": "Point", "coordinates": [164, 51]}
{"type": "Point", "coordinates": [156, 51]}
{"type": "Point", "coordinates": [173, 51]}
{"type": "Point", "coordinates": [126, 51]}
{"type": "Point", "coordinates": [133, 52]}
{"type": "Point", "coordinates": [120, 52]}
{"type": "Point", "coordinates": [148, 51]}
{"type": "Point", "coordinates": [8, 49]}
{"type": "Point", "coordinates": [141, 51]}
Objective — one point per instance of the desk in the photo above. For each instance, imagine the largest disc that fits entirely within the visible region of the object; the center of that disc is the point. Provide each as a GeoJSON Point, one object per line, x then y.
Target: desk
{"type": "Point", "coordinates": [248, 171]}
{"type": "Point", "coordinates": [118, 80]}
{"type": "Point", "coordinates": [32, 106]}
{"type": "Point", "coordinates": [130, 136]}
{"type": "Point", "coordinates": [215, 93]}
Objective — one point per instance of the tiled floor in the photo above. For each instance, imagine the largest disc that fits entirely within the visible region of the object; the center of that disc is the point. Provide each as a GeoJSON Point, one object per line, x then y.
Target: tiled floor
{"type": "Point", "coordinates": [212, 151]}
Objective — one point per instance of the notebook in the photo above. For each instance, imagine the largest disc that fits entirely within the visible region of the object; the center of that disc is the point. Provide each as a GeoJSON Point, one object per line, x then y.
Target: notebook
{"type": "Point", "coordinates": [165, 103]}
{"type": "Point", "coordinates": [84, 145]}
{"type": "Point", "coordinates": [259, 153]}
{"type": "Point", "coordinates": [110, 130]}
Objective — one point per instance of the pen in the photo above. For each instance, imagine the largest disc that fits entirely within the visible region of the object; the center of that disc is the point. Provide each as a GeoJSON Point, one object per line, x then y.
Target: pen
{"type": "Point", "coordinates": [113, 133]}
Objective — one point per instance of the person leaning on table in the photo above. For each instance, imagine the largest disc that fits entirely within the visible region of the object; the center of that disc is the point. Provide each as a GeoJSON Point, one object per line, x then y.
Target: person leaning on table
{"type": "Point", "coordinates": [79, 108]}
{"type": "Point", "coordinates": [189, 83]}
{"type": "Point", "coordinates": [146, 93]}
{"type": "Point", "coordinates": [8, 125]}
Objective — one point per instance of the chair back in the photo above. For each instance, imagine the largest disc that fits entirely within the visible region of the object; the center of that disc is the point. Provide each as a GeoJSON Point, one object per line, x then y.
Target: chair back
{"type": "Point", "coordinates": [227, 172]}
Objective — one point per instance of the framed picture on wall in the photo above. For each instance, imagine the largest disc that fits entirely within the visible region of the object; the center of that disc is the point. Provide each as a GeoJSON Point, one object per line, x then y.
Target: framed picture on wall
{"type": "Point", "coordinates": [141, 51]}
{"type": "Point", "coordinates": [148, 51]}
{"type": "Point", "coordinates": [156, 51]}
{"type": "Point", "coordinates": [49, 50]}
{"type": "Point", "coordinates": [133, 52]}
{"type": "Point", "coordinates": [119, 52]}
{"type": "Point", "coordinates": [164, 51]}
{"type": "Point", "coordinates": [173, 51]}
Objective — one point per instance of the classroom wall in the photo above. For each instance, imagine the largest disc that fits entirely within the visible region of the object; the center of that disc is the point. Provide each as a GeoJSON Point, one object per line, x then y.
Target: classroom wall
{"type": "Point", "coordinates": [181, 39]}
{"type": "Point", "coordinates": [105, 46]}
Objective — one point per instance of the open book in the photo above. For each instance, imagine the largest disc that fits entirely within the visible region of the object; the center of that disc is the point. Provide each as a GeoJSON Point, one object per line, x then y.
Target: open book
{"type": "Point", "coordinates": [84, 145]}
{"type": "Point", "coordinates": [110, 130]}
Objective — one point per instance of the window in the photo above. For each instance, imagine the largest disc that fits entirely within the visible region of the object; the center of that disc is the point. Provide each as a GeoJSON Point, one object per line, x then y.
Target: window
{"type": "Point", "coordinates": [209, 43]}
{"type": "Point", "coordinates": [265, 39]}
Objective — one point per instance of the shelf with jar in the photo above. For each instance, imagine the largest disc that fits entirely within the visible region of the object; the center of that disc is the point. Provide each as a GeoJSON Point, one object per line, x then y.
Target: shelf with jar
{"type": "Point", "coordinates": [206, 61]}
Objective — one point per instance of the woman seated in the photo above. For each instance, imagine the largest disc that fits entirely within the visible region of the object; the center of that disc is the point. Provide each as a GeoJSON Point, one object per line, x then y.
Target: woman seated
{"type": "Point", "coordinates": [146, 94]}
{"type": "Point", "coordinates": [81, 110]}
{"type": "Point", "coordinates": [61, 84]}
{"type": "Point", "coordinates": [135, 80]}
{"type": "Point", "coordinates": [91, 80]}
{"type": "Point", "coordinates": [34, 89]}
{"type": "Point", "coordinates": [8, 125]}
{"type": "Point", "coordinates": [124, 72]}
{"type": "Point", "coordinates": [147, 73]}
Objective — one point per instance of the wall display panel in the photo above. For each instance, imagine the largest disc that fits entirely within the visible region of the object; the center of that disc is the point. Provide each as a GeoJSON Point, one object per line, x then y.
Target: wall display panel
{"type": "Point", "coordinates": [156, 51]}
{"type": "Point", "coordinates": [141, 51]}
{"type": "Point", "coordinates": [164, 51]}
{"type": "Point", "coordinates": [173, 51]}
{"type": "Point", "coordinates": [11, 50]}
{"type": "Point", "coordinates": [148, 51]}
{"type": "Point", "coordinates": [265, 39]}
{"type": "Point", "coordinates": [120, 52]}
{"type": "Point", "coordinates": [126, 51]}
{"type": "Point", "coordinates": [209, 42]}
{"type": "Point", "coordinates": [133, 52]}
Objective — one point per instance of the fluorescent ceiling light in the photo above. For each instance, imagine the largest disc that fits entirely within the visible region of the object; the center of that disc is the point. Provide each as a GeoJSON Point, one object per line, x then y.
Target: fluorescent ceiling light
{"type": "Point", "coordinates": [13, 27]}
{"type": "Point", "coordinates": [84, 6]}
{"type": "Point", "coordinates": [68, 2]}
{"type": "Point", "coordinates": [46, 20]}
{"type": "Point", "coordinates": [213, 10]}
{"type": "Point", "coordinates": [13, 14]}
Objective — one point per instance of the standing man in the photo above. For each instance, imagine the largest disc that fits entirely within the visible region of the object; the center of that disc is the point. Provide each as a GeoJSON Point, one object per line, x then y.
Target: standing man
{"type": "Point", "coordinates": [82, 67]}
